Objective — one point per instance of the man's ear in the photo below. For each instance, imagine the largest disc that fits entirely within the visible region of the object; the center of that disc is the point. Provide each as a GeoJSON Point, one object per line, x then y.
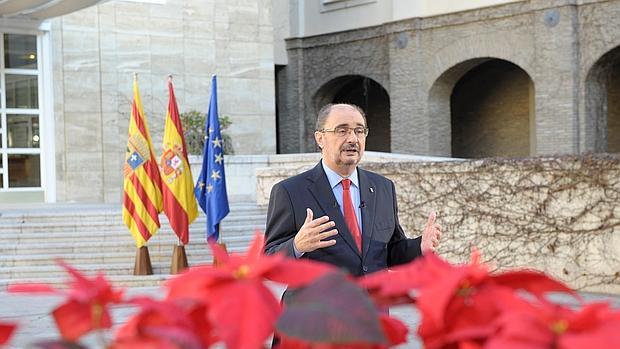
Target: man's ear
{"type": "Point", "coordinates": [318, 137]}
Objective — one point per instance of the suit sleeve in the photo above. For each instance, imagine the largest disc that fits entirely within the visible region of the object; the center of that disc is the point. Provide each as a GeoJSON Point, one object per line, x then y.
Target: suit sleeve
{"type": "Point", "coordinates": [280, 229]}
{"type": "Point", "coordinates": [400, 248]}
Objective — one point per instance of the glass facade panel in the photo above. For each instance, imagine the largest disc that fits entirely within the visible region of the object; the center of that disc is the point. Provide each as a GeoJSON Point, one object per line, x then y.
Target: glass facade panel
{"type": "Point", "coordinates": [22, 91]}
{"type": "Point", "coordinates": [24, 170]}
{"type": "Point", "coordinates": [23, 131]}
{"type": "Point", "coordinates": [20, 145]}
{"type": "Point", "coordinates": [20, 51]}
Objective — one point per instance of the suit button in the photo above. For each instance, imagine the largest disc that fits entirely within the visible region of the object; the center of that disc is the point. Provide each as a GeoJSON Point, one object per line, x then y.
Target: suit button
{"type": "Point", "coordinates": [365, 268]}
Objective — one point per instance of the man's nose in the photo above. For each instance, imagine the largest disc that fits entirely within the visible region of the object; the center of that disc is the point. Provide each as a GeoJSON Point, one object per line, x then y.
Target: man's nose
{"type": "Point", "coordinates": [351, 136]}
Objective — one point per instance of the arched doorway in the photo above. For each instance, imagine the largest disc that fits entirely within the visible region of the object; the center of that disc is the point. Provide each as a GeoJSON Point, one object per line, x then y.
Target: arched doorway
{"type": "Point", "coordinates": [603, 104]}
{"type": "Point", "coordinates": [492, 111]}
{"type": "Point", "coordinates": [368, 95]}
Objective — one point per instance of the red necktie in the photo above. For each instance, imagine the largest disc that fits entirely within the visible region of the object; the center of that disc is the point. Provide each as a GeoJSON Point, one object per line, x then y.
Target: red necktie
{"type": "Point", "coordinates": [349, 213]}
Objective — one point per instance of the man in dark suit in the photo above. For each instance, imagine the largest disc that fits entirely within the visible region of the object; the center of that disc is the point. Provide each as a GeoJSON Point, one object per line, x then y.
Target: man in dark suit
{"type": "Point", "coordinates": [357, 228]}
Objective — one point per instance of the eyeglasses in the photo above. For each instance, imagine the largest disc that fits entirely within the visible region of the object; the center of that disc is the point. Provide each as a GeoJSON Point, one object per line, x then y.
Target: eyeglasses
{"type": "Point", "coordinates": [342, 131]}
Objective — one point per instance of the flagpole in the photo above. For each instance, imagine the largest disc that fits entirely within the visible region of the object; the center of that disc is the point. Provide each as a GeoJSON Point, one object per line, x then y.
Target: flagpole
{"type": "Point", "coordinates": [210, 190]}
{"type": "Point", "coordinates": [179, 258]}
{"type": "Point", "coordinates": [142, 262]}
{"type": "Point", "coordinates": [220, 242]}
{"type": "Point", "coordinates": [173, 141]}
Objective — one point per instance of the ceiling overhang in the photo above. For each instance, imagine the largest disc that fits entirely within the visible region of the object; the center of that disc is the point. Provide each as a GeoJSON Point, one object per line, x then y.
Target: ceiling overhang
{"type": "Point", "coordinates": [39, 10]}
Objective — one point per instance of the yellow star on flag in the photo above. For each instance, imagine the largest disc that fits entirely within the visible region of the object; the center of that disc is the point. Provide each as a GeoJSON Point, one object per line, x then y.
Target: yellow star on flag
{"type": "Point", "coordinates": [219, 158]}
{"type": "Point", "coordinates": [215, 175]}
{"type": "Point", "coordinates": [217, 142]}
{"type": "Point", "coordinates": [209, 188]}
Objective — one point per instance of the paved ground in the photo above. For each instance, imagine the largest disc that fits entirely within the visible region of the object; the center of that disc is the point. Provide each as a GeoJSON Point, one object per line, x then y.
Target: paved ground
{"type": "Point", "coordinates": [32, 313]}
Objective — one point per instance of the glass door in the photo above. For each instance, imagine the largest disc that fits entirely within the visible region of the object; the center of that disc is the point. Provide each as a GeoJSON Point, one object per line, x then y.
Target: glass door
{"type": "Point", "coordinates": [20, 80]}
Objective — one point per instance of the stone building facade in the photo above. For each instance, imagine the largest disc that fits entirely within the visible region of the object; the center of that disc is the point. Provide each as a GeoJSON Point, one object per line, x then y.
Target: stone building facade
{"type": "Point", "coordinates": [513, 79]}
{"type": "Point", "coordinates": [83, 85]}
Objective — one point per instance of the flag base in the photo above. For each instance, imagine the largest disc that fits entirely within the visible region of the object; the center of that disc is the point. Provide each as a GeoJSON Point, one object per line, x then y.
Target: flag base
{"type": "Point", "coordinates": [142, 265]}
{"type": "Point", "coordinates": [179, 260]}
{"type": "Point", "coordinates": [215, 261]}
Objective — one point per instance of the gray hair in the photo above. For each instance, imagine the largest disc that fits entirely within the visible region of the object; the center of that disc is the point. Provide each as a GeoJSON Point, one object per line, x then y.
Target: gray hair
{"type": "Point", "coordinates": [326, 109]}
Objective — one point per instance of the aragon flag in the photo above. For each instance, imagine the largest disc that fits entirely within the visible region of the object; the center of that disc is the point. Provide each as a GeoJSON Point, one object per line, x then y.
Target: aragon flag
{"type": "Point", "coordinates": [142, 198]}
{"type": "Point", "coordinates": [178, 184]}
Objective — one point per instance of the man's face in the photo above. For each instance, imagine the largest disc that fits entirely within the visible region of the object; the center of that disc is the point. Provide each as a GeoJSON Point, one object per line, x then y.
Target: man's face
{"type": "Point", "coordinates": [342, 153]}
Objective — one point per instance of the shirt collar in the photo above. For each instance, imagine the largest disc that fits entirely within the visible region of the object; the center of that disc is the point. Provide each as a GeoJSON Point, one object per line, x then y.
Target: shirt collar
{"type": "Point", "coordinates": [334, 178]}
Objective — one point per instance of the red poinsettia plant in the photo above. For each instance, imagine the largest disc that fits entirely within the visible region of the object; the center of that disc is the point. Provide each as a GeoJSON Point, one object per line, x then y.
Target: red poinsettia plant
{"type": "Point", "coordinates": [460, 307]}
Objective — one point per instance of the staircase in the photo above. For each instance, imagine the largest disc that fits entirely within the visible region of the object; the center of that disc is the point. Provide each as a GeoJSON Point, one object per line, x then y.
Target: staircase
{"type": "Point", "coordinates": [93, 238]}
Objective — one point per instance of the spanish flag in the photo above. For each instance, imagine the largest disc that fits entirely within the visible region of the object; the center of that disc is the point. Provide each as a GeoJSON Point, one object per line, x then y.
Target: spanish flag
{"type": "Point", "coordinates": [178, 184]}
{"type": "Point", "coordinates": [142, 198]}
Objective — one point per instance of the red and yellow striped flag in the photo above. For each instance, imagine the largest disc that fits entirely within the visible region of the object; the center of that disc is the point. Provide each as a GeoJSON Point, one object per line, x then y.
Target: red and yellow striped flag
{"type": "Point", "coordinates": [142, 198]}
{"type": "Point", "coordinates": [178, 184]}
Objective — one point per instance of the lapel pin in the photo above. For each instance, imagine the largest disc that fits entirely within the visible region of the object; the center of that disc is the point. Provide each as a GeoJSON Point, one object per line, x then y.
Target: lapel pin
{"type": "Point", "coordinates": [372, 190]}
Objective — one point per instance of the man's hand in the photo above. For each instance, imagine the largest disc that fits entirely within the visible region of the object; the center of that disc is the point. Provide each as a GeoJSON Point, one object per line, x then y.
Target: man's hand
{"type": "Point", "coordinates": [431, 234]}
{"type": "Point", "coordinates": [310, 236]}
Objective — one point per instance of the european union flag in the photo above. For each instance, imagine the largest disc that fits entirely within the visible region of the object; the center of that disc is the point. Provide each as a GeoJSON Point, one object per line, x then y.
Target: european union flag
{"type": "Point", "coordinates": [210, 190]}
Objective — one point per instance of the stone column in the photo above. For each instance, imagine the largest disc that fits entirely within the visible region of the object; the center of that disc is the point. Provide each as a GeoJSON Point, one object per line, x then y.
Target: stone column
{"type": "Point", "coordinates": [556, 63]}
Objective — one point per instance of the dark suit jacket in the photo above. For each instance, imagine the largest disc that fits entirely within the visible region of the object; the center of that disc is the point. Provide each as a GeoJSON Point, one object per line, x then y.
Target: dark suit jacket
{"type": "Point", "coordinates": [383, 241]}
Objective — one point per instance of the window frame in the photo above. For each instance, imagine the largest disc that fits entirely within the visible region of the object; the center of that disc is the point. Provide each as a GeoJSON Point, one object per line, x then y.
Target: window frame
{"type": "Point", "coordinates": [44, 111]}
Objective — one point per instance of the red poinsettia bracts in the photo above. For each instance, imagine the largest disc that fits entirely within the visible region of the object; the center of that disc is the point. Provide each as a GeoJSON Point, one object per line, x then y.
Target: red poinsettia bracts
{"type": "Point", "coordinates": [166, 324]}
{"type": "Point", "coordinates": [543, 325]}
{"type": "Point", "coordinates": [238, 304]}
{"type": "Point", "coordinates": [400, 284]}
{"type": "Point", "coordinates": [6, 331]}
{"type": "Point", "coordinates": [461, 307]}
{"type": "Point", "coordinates": [458, 304]}
{"type": "Point", "coordinates": [86, 307]}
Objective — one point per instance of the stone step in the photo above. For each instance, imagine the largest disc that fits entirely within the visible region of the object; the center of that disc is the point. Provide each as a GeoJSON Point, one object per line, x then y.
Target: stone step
{"type": "Point", "coordinates": [121, 244]}
{"type": "Point", "coordinates": [127, 280]}
{"type": "Point", "coordinates": [101, 258]}
{"type": "Point", "coordinates": [102, 254]}
{"type": "Point", "coordinates": [160, 267]}
{"type": "Point", "coordinates": [239, 244]}
{"type": "Point", "coordinates": [122, 234]}
{"type": "Point", "coordinates": [94, 238]}
{"type": "Point", "coordinates": [58, 215]}
{"type": "Point", "coordinates": [68, 214]}
{"type": "Point", "coordinates": [82, 225]}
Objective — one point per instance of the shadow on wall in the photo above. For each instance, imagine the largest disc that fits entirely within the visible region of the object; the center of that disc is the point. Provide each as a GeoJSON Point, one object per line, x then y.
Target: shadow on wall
{"type": "Point", "coordinates": [368, 95]}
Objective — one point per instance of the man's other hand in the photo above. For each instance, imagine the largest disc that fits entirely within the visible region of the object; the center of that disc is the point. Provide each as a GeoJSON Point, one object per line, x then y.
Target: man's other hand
{"type": "Point", "coordinates": [431, 234]}
{"type": "Point", "coordinates": [313, 232]}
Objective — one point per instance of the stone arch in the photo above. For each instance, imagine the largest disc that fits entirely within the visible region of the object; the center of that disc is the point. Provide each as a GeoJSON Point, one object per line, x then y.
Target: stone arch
{"type": "Point", "coordinates": [482, 107]}
{"type": "Point", "coordinates": [453, 62]}
{"type": "Point", "coordinates": [602, 85]}
{"type": "Point", "coordinates": [369, 95]}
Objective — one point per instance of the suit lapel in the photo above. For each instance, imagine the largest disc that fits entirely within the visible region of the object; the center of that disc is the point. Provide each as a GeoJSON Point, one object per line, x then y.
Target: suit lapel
{"type": "Point", "coordinates": [323, 194]}
{"type": "Point", "coordinates": [368, 197]}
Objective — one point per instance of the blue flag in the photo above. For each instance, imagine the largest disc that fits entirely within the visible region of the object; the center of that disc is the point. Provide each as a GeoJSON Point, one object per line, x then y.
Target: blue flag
{"type": "Point", "coordinates": [210, 189]}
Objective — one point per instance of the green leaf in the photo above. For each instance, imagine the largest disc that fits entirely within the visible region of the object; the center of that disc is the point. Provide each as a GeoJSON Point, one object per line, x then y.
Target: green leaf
{"type": "Point", "coordinates": [193, 123]}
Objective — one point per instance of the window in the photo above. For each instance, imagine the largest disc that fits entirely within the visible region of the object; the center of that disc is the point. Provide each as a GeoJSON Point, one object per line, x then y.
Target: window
{"type": "Point", "coordinates": [20, 74]}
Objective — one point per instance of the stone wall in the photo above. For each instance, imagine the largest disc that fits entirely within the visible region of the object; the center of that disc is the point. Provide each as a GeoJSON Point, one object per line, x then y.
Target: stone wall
{"type": "Point", "coordinates": [560, 215]}
{"type": "Point", "coordinates": [97, 50]}
{"type": "Point", "coordinates": [420, 60]}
